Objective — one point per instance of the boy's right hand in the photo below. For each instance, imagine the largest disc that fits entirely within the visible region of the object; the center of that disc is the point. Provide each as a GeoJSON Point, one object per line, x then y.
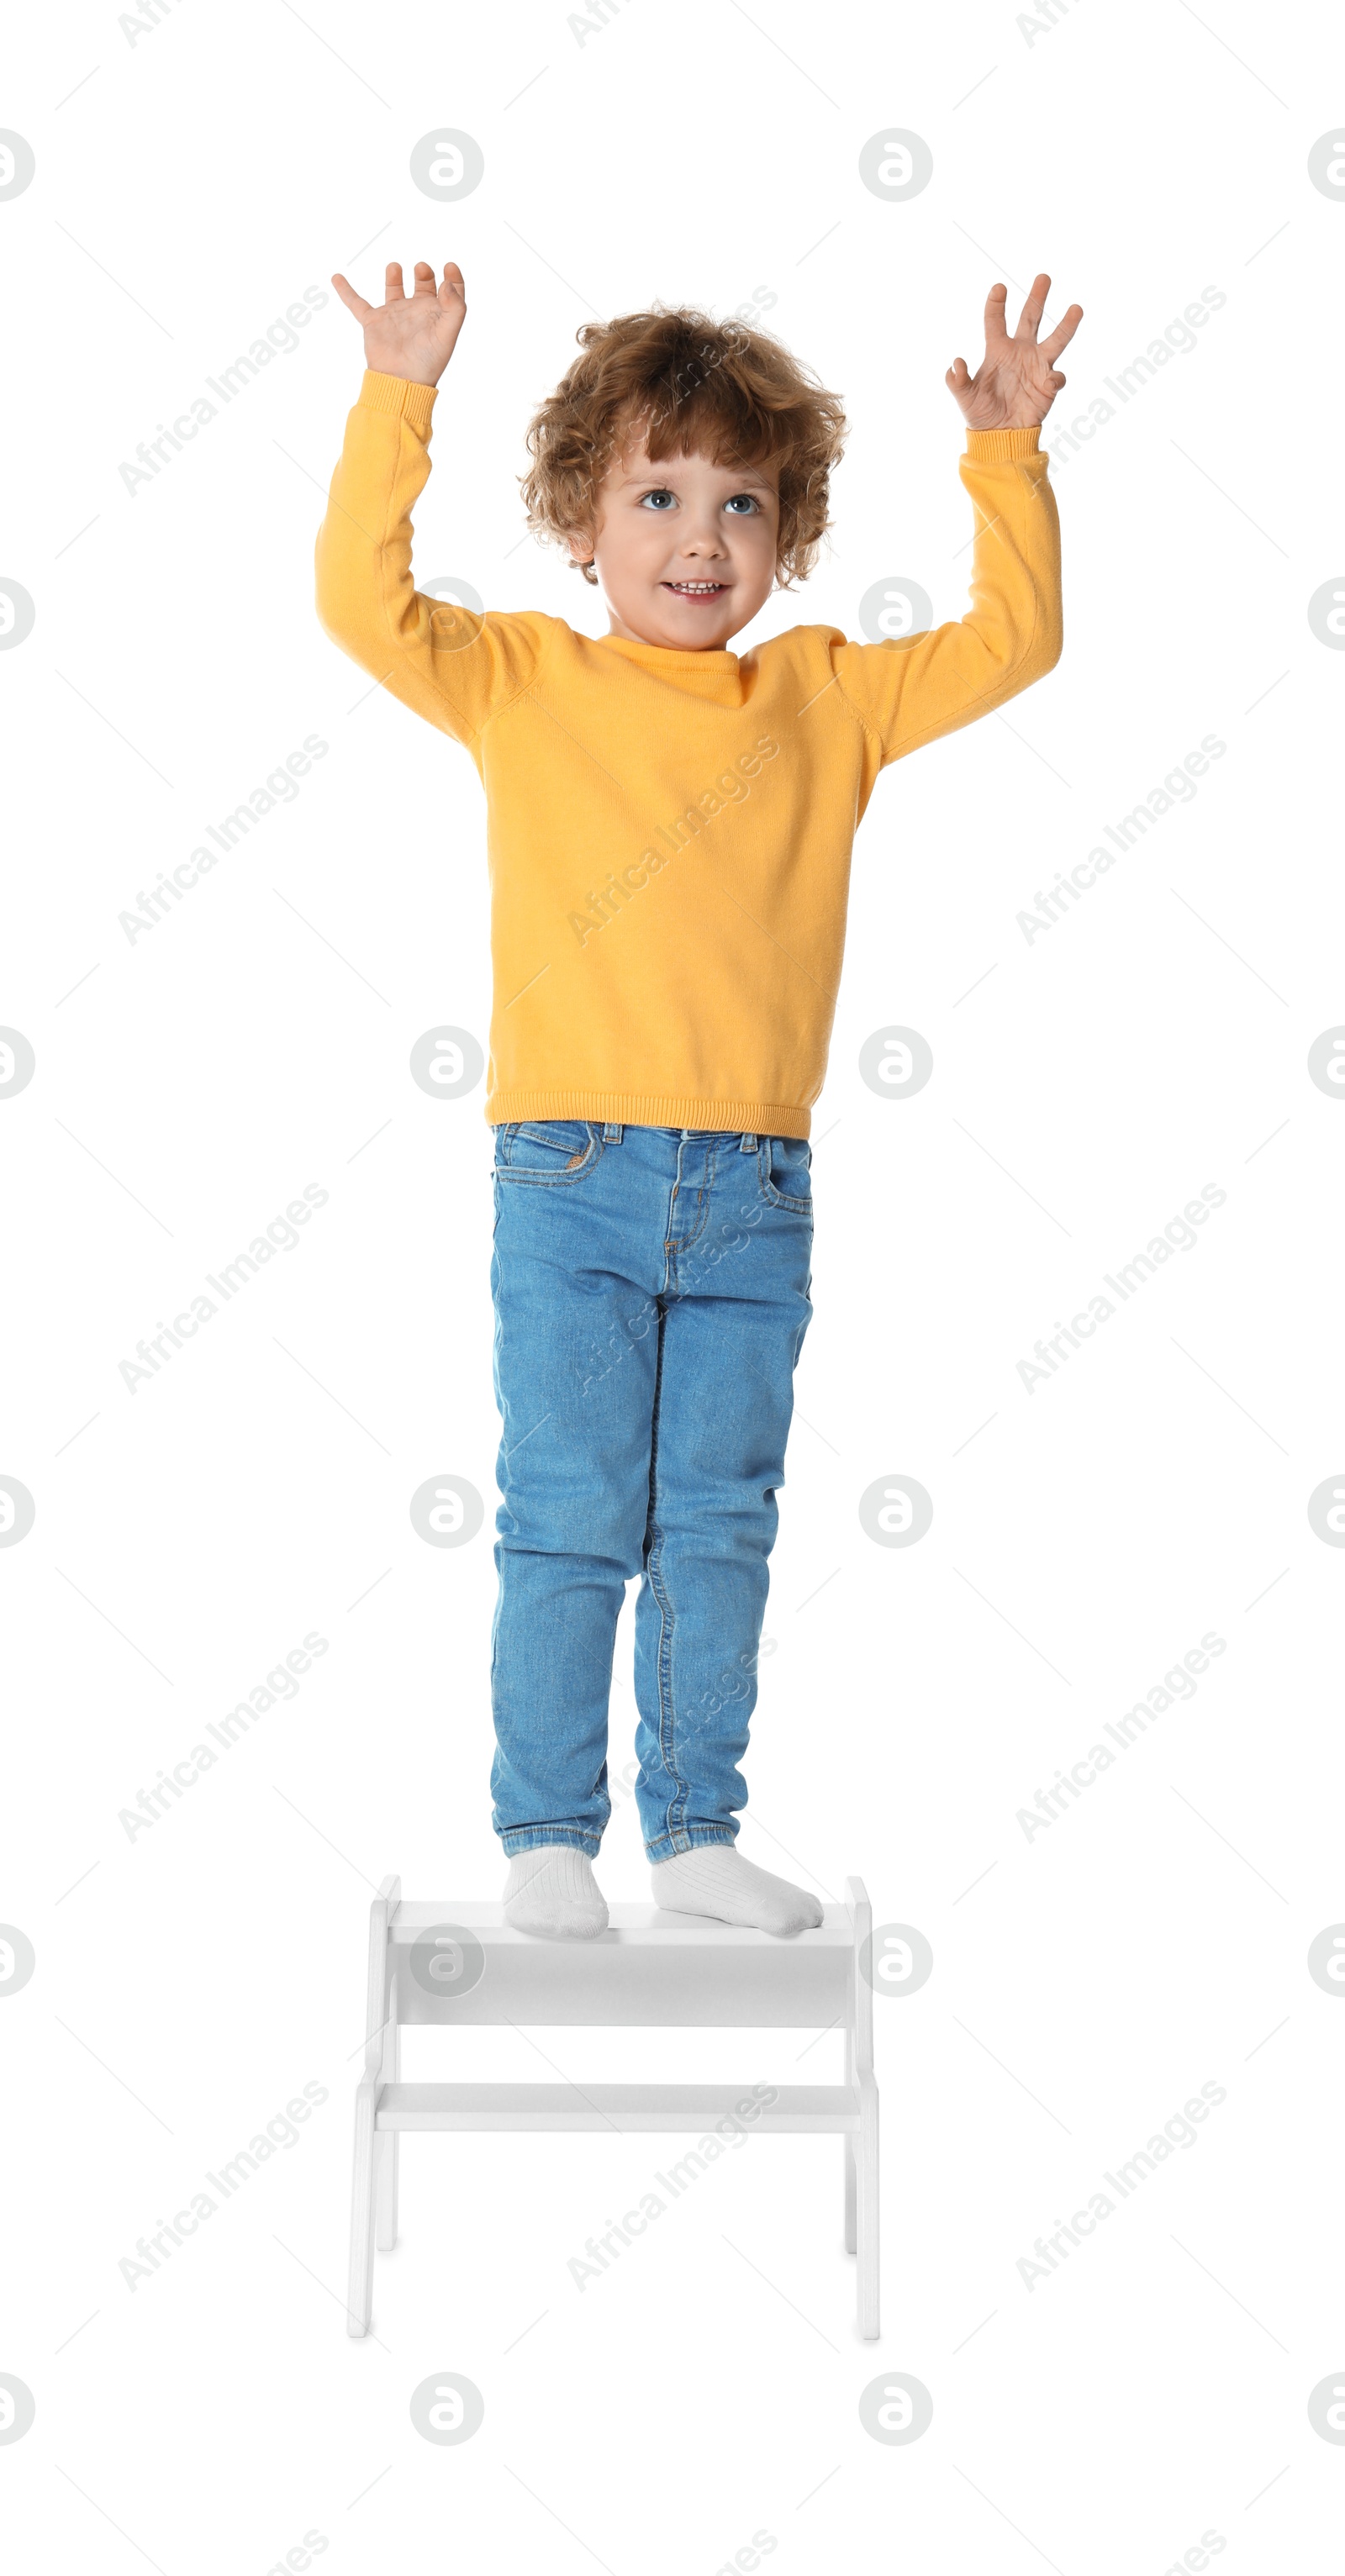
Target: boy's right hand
{"type": "Point", "coordinates": [411, 335]}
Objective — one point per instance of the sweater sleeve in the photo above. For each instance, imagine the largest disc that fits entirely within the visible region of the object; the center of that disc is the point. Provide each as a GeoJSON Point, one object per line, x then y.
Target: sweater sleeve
{"type": "Point", "coordinates": [908, 693]}
{"type": "Point", "coordinates": [449, 664]}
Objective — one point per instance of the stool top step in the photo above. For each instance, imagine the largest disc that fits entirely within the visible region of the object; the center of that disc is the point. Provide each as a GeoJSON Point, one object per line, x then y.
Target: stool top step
{"type": "Point", "coordinates": [454, 1959]}
{"type": "Point", "coordinates": [629, 1927]}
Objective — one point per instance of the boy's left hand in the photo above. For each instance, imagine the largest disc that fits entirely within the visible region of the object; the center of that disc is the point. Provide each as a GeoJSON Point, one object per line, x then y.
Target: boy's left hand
{"type": "Point", "coordinates": [1017, 380]}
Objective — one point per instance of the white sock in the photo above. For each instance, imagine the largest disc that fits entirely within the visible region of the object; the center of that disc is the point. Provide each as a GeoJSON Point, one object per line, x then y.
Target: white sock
{"type": "Point", "coordinates": [552, 1891]}
{"type": "Point", "coordinates": [713, 1878]}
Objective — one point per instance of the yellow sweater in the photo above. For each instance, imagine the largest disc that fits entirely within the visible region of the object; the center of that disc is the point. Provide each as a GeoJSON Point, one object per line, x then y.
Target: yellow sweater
{"type": "Point", "coordinates": [669, 834]}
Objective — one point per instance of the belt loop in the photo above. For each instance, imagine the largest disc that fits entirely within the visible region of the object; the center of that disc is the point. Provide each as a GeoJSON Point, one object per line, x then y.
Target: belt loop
{"type": "Point", "coordinates": [747, 1143]}
{"type": "Point", "coordinates": [612, 1132]}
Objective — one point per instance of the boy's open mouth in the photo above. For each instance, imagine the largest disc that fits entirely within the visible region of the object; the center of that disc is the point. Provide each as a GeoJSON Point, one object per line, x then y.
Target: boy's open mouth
{"type": "Point", "coordinates": [694, 589]}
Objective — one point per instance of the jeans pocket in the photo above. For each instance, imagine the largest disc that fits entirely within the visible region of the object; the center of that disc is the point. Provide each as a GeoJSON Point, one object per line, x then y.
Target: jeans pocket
{"type": "Point", "coordinates": [784, 1170]}
{"type": "Point", "coordinates": [549, 1152]}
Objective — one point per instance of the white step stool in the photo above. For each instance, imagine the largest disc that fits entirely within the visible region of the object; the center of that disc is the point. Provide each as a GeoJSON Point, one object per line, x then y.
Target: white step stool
{"type": "Point", "coordinates": [648, 1970]}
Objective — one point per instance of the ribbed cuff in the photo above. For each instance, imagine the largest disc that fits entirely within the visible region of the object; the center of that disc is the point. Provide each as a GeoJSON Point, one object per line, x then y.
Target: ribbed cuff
{"type": "Point", "coordinates": [397, 394]}
{"type": "Point", "coordinates": [997, 446]}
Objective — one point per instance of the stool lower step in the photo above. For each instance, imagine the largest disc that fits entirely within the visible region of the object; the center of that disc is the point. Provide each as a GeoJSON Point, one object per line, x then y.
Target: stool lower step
{"type": "Point", "coordinates": [800, 2109]}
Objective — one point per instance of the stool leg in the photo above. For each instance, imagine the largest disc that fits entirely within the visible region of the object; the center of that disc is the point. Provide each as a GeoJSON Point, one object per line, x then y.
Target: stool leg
{"type": "Point", "coordinates": [849, 2146]}
{"type": "Point", "coordinates": [359, 2298]}
{"type": "Point", "coordinates": [859, 2073]}
{"type": "Point", "coordinates": [866, 2212]}
{"type": "Point", "coordinates": [387, 2143]}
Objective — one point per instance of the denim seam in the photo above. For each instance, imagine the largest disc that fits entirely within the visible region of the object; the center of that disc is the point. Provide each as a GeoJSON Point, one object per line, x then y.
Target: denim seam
{"type": "Point", "coordinates": [694, 1838]}
{"type": "Point", "coordinates": [674, 1821]}
{"type": "Point", "coordinates": [685, 1243]}
{"type": "Point", "coordinates": [548, 1837]}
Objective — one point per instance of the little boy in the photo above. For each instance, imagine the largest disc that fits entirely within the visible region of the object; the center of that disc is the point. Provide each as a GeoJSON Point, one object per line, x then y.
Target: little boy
{"type": "Point", "coordinates": [669, 833]}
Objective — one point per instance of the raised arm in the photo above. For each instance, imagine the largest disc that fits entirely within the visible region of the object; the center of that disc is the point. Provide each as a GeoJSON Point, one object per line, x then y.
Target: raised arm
{"type": "Point", "coordinates": [449, 665]}
{"type": "Point", "coordinates": [909, 693]}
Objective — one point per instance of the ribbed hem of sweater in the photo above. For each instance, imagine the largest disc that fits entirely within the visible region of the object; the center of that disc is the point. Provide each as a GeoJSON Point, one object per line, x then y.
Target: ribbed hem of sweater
{"type": "Point", "coordinates": [998, 446]}
{"type": "Point", "coordinates": [397, 393]}
{"type": "Point", "coordinates": [652, 1109]}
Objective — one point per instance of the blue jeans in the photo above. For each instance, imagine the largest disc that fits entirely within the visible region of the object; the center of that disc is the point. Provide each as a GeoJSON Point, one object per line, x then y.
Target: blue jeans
{"type": "Point", "coordinates": [651, 1298]}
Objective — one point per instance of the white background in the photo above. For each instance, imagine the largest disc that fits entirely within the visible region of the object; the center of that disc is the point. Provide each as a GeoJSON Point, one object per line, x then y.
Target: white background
{"type": "Point", "coordinates": [1088, 1981]}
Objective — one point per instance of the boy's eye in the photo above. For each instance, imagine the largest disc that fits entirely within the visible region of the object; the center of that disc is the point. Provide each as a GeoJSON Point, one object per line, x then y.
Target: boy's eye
{"type": "Point", "coordinates": [742, 504]}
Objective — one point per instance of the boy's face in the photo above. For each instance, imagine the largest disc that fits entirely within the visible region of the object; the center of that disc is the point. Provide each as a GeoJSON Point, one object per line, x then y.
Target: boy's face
{"type": "Point", "coordinates": [684, 550]}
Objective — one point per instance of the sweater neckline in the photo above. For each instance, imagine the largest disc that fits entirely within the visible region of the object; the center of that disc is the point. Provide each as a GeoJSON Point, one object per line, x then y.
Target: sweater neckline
{"type": "Point", "coordinates": [668, 656]}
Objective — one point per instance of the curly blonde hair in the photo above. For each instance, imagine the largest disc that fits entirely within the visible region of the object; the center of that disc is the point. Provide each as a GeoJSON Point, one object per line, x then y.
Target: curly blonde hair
{"type": "Point", "coordinates": [686, 385]}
